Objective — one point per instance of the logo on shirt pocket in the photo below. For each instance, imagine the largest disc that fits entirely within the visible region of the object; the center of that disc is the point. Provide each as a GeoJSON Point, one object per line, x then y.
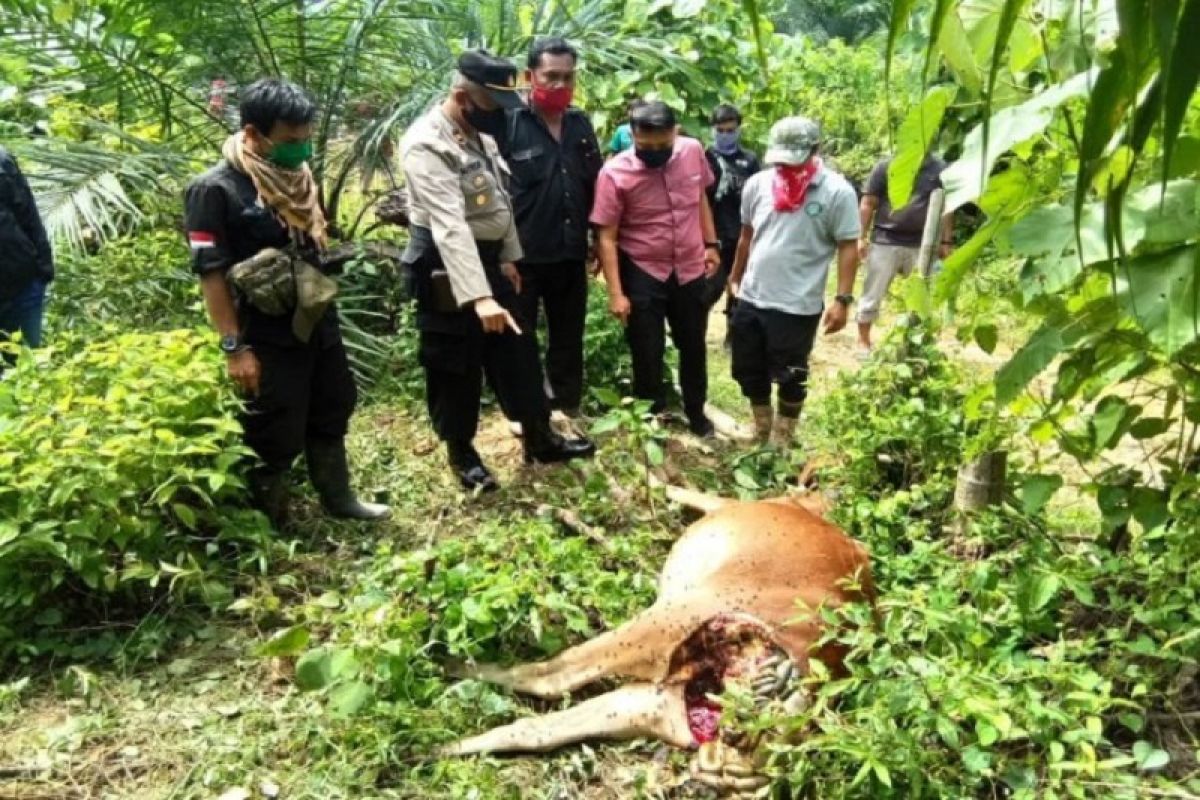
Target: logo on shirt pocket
{"type": "Point", "coordinates": [814, 208]}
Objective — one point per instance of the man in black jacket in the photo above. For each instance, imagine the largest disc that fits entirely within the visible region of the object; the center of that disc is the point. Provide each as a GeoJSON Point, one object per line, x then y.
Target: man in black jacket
{"type": "Point", "coordinates": [552, 151]}
{"type": "Point", "coordinates": [26, 261]}
{"type": "Point", "coordinates": [733, 165]}
{"type": "Point", "coordinates": [300, 391]}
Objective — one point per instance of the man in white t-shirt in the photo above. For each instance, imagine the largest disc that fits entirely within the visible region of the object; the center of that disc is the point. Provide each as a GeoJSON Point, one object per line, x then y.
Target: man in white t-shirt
{"type": "Point", "coordinates": [795, 217]}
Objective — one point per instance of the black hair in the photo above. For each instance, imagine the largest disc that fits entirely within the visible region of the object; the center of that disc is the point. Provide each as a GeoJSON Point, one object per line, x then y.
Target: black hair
{"type": "Point", "coordinates": [725, 113]}
{"type": "Point", "coordinates": [652, 116]}
{"type": "Point", "coordinates": [271, 100]}
{"type": "Point", "coordinates": [555, 46]}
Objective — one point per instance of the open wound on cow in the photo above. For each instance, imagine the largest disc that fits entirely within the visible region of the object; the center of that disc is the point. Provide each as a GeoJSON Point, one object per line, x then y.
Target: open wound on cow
{"type": "Point", "coordinates": [726, 647]}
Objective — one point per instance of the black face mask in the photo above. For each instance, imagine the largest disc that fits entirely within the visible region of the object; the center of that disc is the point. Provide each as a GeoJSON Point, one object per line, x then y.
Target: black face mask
{"type": "Point", "coordinates": [489, 122]}
{"type": "Point", "coordinates": [653, 158]}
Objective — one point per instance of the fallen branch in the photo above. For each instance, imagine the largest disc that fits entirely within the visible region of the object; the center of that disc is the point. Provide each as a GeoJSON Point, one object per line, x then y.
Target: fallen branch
{"type": "Point", "coordinates": [571, 520]}
{"type": "Point", "coordinates": [1169, 716]}
{"type": "Point", "coordinates": [619, 494]}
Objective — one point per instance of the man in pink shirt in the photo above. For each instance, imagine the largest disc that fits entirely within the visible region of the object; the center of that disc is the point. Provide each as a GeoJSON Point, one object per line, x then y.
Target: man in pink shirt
{"type": "Point", "coordinates": [657, 243]}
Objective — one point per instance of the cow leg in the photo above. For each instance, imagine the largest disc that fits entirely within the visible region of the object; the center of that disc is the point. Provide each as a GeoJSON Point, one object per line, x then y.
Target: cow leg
{"type": "Point", "coordinates": [698, 501]}
{"type": "Point", "coordinates": [639, 709]}
{"type": "Point", "coordinates": [638, 649]}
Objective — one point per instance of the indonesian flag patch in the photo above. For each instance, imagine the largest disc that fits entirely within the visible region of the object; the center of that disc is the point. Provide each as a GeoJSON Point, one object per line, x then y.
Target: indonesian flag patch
{"type": "Point", "coordinates": [200, 240]}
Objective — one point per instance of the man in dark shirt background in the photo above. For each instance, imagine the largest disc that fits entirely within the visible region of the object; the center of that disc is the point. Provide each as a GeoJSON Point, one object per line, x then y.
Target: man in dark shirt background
{"type": "Point", "coordinates": [554, 156]}
{"type": "Point", "coordinates": [889, 247]}
{"type": "Point", "coordinates": [300, 393]}
{"type": "Point", "coordinates": [26, 261]}
{"type": "Point", "coordinates": [732, 165]}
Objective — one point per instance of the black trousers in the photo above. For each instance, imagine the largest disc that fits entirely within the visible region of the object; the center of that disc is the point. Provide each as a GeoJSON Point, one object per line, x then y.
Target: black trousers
{"type": "Point", "coordinates": [455, 352]}
{"type": "Point", "coordinates": [717, 283]}
{"type": "Point", "coordinates": [305, 392]}
{"type": "Point", "coordinates": [562, 287]}
{"type": "Point", "coordinates": [683, 306]}
{"type": "Point", "coordinates": [772, 346]}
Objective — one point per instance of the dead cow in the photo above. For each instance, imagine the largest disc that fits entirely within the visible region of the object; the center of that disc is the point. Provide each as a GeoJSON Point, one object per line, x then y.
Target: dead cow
{"type": "Point", "coordinates": [738, 599]}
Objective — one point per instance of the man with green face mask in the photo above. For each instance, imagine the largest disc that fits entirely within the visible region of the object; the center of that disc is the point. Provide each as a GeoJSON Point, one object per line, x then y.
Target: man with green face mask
{"type": "Point", "coordinates": [291, 367]}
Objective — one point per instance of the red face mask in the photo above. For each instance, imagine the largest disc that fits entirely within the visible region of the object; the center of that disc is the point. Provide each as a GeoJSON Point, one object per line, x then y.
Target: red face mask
{"type": "Point", "coordinates": [790, 183]}
{"type": "Point", "coordinates": [555, 100]}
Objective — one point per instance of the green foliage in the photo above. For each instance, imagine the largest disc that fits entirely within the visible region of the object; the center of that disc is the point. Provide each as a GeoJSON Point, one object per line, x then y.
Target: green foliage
{"type": "Point", "coordinates": [1038, 668]}
{"type": "Point", "coordinates": [378, 326]}
{"type": "Point", "coordinates": [914, 139]}
{"type": "Point", "coordinates": [121, 461]}
{"type": "Point", "coordinates": [1110, 273]}
{"type": "Point", "coordinates": [900, 427]}
{"type": "Point", "coordinates": [136, 282]}
{"type": "Point", "coordinates": [841, 87]}
{"type": "Point", "coordinates": [638, 438]}
{"type": "Point", "coordinates": [132, 109]}
{"type": "Point", "coordinates": [487, 596]}
{"type": "Point", "coordinates": [606, 359]}
{"type": "Point", "coordinates": [112, 183]}
{"type": "Point", "coordinates": [852, 21]}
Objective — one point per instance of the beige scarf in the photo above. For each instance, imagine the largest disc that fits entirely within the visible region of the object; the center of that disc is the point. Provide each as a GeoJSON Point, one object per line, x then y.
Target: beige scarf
{"type": "Point", "coordinates": [291, 193]}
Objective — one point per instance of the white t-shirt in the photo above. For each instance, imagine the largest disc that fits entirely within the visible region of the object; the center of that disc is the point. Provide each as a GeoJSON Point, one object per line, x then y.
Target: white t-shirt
{"type": "Point", "coordinates": [791, 251]}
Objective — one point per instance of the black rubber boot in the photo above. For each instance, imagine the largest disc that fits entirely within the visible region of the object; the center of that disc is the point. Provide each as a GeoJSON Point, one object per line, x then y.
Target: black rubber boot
{"type": "Point", "coordinates": [268, 492]}
{"type": "Point", "coordinates": [544, 446]}
{"type": "Point", "coordinates": [469, 468]}
{"type": "Point", "coordinates": [330, 475]}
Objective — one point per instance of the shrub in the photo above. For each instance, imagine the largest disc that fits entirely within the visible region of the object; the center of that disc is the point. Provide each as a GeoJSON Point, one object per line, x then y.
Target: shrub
{"type": "Point", "coordinates": [121, 461]}
{"type": "Point", "coordinates": [138, 282]}
{"type": "Point", "coordinates": [486, 596]}
{"type": "Point", "coordinates": [897, 427]}
{"type": "Point", "coordinates": [1047, 666]}
{"type": "Point", "coordinates": [606, 360]}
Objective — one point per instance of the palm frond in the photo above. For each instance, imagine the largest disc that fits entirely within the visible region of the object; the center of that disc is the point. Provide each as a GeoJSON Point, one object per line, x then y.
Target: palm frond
{"type": "Point", "coordinates": [97, 186]}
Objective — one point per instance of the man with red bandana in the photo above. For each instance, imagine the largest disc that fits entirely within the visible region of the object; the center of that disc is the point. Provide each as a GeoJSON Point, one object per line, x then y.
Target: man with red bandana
{"type": "Point", "coordinates": [552, 152]}
{"type": "Point", "coordinates": [795, 217]}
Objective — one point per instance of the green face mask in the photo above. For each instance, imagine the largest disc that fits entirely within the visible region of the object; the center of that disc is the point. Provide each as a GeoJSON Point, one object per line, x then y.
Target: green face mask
{"type": "Point", "coordinates": [290, 155]}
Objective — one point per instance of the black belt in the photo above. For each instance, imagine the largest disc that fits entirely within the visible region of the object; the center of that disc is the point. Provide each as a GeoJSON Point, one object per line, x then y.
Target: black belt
{"type": "Point", "coordinates": [421, 246]}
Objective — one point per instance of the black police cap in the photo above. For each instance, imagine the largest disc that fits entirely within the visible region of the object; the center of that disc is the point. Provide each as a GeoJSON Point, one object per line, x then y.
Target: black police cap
{"type": "Point", "coordinates": [497, 75]}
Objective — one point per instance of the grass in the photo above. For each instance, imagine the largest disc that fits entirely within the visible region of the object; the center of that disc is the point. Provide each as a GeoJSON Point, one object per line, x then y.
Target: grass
{"type": "Point", "coordinates": [204, 715]}
{"type": "Point", "coordinates": [194, 711]}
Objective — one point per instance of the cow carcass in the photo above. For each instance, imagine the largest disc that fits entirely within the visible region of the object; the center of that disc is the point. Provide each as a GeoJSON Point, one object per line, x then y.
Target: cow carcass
{"type": "Point", "coordinates": [739, 602]}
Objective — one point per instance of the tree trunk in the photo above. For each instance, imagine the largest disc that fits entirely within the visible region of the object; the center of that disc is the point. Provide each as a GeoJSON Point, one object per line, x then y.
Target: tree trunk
{"type": "Point", "coordinates": [981, 482]}
{"type": "Point", "coordinates": [931, 237]}
{"type": "Point", "coordinates": [980, 485]}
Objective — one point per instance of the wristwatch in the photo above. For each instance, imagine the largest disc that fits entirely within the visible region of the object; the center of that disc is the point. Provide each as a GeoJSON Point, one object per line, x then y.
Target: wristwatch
{"type": "Point", "coordinates": [231, 343]}
{"type": "Point", "coordinates": [711, 245]}
{"type": "Point", "coordinates": [844, 299]}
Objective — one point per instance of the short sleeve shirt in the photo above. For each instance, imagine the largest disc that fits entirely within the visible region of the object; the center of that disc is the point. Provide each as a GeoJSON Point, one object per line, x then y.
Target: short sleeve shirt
{"type": "Point", "coordinates": [226, 223]}
{"type": "Point", "coordinates": [905, 226]}
{"type": "Point", "coordinates": [657, 210]}
{"type": "Point", "coordinates": [791, 250]}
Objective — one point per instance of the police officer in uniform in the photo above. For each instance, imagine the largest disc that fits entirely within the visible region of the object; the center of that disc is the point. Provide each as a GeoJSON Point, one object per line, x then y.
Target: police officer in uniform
{"type": "Point", "coordinates": [463, 252]}
{"type": "Point", "coordinates": [299, 389]}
